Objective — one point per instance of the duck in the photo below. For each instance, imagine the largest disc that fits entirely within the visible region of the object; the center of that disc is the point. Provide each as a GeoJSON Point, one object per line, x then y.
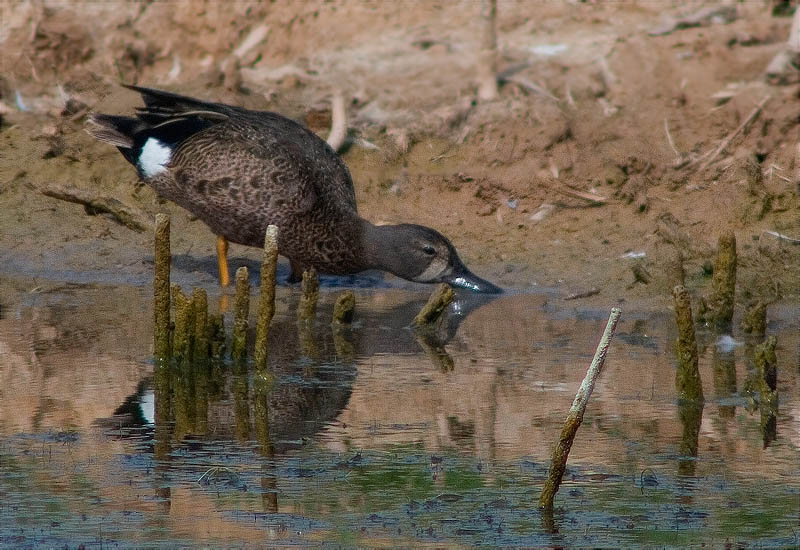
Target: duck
{"type": "Point", "coordinates": [240, 170]}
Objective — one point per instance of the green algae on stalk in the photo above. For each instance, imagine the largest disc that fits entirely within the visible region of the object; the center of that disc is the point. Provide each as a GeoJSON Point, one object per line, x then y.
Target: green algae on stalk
{"type": "Point", "coordinates": [344, 308]}
{"type": "Point", "coordinates": [309, 296]}
{"type": "Point", "coordinates": [161, 288]}
{"type": "Point", "coordinates": [184, 325]}
{"type": "Point", "coordinates": [200, 306]}
{"type": "Point", "coordinates": [266, 301]}
{"type": "Point", "coordinates": [687, 378]}
{"type": "Point", "coordinates": [723, 282]}
{"type": "Point", "coordinates": [441, 297]}
{"type": "Point", "coordinates": [558, 464]}
{"type": "Point", "coordinates": [241, 312]}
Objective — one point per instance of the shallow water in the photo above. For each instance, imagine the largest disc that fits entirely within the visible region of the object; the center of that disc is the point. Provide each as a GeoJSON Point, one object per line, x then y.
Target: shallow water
{"type": "Point", "coordinates": [376, 437]}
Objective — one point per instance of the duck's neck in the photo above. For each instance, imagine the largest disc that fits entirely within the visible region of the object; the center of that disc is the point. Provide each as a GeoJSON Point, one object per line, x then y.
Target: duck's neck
{"type": "Point", "coordinates": [378, 246]}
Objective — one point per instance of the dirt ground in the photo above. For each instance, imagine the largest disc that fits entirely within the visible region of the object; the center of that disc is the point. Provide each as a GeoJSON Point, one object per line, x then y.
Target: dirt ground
{"type": "Point", "coordinates": [600, 105]}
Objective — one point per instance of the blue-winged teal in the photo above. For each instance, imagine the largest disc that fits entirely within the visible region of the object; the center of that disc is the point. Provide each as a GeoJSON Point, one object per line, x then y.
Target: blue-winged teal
{"type": "Point", "coordinates": [240, 170]}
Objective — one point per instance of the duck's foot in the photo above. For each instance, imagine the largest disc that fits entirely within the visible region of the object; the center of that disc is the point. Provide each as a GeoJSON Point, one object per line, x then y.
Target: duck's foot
{"type": "Point", "coordinates": [222, 261]}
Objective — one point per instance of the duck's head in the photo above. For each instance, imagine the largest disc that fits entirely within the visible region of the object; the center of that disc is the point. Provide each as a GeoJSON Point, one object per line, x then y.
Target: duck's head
{"type": "Point", "coordinates": [421, 254]}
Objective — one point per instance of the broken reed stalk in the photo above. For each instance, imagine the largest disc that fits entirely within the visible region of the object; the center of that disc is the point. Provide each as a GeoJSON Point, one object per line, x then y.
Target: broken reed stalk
{"type": "Point", "coordinates": [200, 305]}
{"type": "Point", "coordinates": [309, 296]}
{"type": "Point", "coordinates": [184, 325]}
{"type": "Point", "coordinates": [575, 416]}
{"type": "Point", "coordinates": [433, 309]}
{"type": "Point", "coordinates": [344, 308]}
{"type": "Point", "coordinates": [754, 321]}
{"type": "Point", "coordinates": [338, 131]}
{"type": "Point", "coordinates": [266, 301]}
{"type": "Point", "coordinates": [723, 282]}
{"type": "Point", "coordinates": [487, 60]}
{"type": "Point", "coordinates": [687, 379]}
{"type": "Point", "coordinates": [241, 312]}
{"type": "Point", "coordinates": [161, 288]}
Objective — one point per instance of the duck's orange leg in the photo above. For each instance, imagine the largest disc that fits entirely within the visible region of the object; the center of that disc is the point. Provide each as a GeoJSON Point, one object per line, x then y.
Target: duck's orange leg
{"type": "Point", "coordinates": [222, 261]}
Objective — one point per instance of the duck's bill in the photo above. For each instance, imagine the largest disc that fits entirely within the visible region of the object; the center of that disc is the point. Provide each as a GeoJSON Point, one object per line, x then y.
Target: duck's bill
{"type": "Point", "coordinates": [472, 282]}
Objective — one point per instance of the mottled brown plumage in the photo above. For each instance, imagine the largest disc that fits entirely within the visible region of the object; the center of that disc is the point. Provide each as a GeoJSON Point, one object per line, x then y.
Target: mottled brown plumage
{"type": "Point", "coordinates": [240, 170]}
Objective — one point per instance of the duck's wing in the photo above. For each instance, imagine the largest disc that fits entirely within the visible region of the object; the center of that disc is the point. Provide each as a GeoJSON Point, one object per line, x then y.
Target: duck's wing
{"type": "Point", "coordinates": [262, 162]}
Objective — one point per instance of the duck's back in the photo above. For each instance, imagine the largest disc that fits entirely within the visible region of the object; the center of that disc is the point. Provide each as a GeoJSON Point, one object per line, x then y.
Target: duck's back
{"type": "Point", "coordinates": [257, 166]}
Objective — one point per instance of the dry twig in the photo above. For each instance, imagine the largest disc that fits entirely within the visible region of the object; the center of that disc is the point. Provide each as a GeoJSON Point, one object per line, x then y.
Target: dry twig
{"type": "Point", "coordinates": [529, 86]}
{"type": "Point", "coordinates": [711, 155]}
{"type": "Point", "coordinates": [106, 205]}
{"type": "Point", "coordinates": [591, 197]}
{"type": "Point", "coordinates": [669, 140]}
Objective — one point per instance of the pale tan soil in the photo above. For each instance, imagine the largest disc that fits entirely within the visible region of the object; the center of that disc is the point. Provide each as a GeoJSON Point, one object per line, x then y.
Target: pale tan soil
{"type": "Point", "coordinates": [475, 171]}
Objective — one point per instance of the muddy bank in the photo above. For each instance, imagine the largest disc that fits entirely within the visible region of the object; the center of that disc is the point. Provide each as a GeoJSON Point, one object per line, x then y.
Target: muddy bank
{"type": "Point", "coordinates": [596, 187]}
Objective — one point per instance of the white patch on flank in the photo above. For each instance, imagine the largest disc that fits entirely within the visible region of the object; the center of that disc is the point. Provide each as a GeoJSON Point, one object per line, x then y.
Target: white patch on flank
{"type": "Point", "coordinates": [154, 158]}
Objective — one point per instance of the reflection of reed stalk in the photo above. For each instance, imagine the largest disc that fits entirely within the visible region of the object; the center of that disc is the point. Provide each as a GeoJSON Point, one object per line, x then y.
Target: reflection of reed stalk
{"type": "Point", "coordinates": [723, 363]}
{"type": "Point", "coordinates": [434, 349]}
{"type": "Point", "coordinates": [575, 416]}
{"type": "Point", "coordinates": [767, 368]}
{"type": "Point", "coordinates": [690, 412]}
{"type": "Point", "coordinates": [687, 378]}
{"type": "Point", "coordinates": [266, 302]}
{"type": "Point", "coordinates": [263, 383]}
{"type": "Point", "coordinates": [161, 287]}
{"type": "Point", "coordinates": [242, 310]}
{"type": "Point", "coordinates": [184, 326]}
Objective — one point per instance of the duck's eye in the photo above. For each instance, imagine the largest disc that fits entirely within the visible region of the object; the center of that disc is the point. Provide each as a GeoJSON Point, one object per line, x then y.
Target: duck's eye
{"type": "Point", "coordinates": [429, 250]}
